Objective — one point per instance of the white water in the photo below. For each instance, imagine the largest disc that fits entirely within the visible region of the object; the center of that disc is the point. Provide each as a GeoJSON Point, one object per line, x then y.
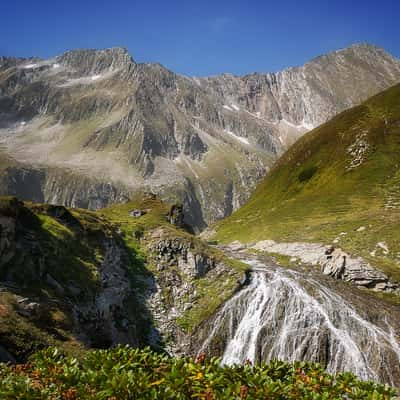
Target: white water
{"type": "Point", "coordinates": [286, 315]}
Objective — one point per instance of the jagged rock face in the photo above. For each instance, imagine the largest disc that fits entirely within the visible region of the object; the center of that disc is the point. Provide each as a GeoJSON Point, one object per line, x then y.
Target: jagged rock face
{"type": "Point", "coordinates": [179, 265]}
{"type": "Point", "coordinates": [181, 253]}
{"type": "Point", "coordinates": [90, 62]}
{"type": "Point", "coordinates": [114, 127]}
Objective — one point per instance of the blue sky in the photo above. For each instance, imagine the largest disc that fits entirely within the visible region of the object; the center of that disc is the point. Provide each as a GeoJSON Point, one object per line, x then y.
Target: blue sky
{"type": "Point", "coordinates": [200, 37]}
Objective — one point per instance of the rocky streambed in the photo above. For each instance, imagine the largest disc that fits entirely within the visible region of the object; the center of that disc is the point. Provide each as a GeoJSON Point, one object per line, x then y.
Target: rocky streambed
{"type": "Point", "coordinates": [333, 262]}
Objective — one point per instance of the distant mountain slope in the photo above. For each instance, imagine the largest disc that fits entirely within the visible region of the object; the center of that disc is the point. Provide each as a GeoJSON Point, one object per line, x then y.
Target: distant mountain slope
{"type": "Point", "coordinates": [89, 128]}
{"type": "Point", "coordinates": [339, 183]}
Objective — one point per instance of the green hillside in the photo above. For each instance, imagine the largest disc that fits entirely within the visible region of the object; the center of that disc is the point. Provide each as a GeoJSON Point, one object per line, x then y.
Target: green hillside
{"type": "Point", "coordinates": [68, 277]}
{"type": "Point", "coordinates": [340, 181]}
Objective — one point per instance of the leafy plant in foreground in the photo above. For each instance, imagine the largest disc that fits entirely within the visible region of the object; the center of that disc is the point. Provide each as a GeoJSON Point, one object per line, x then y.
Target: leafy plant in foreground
{"type": "Point", "coordinates": [127, 373]}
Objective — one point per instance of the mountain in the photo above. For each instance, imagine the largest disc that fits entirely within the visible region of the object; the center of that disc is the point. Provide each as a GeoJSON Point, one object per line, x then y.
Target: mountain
{"type": "Point", "coordinates": [338, 185]}
{"type": "Point", "coordinates": [89, 128]}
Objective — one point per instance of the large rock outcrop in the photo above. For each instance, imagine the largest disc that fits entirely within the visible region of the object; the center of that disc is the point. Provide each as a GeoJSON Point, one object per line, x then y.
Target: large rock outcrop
{"type": "Point", "coordinates": [333, 262]}
{"type": "Point", "coordinates": [185, 272]}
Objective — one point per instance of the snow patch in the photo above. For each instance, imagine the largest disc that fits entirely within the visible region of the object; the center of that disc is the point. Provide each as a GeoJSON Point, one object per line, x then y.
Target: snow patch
{"type": "Point", "coordinates": [56, 65]}
{"type": "Point", "coordinates": [86, 80]}
{"type": "Point", "coordinates": [307, 126]}
{"type": "Point", "coordinates": [303, 125]}
{"type": "Point", "coordinates": [30, 66]}
{"type": "Point", "coordinates": [255, 115]}
{"type": "Point", "coordinates": [232, 107]}
{"type": "Point", "coordinates": [197, 80]}
{"type": "Point", "coordinates": [240, 138]}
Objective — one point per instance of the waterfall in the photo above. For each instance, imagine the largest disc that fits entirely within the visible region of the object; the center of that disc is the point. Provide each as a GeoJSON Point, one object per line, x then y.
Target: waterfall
{"type": "Point", "coordinates": [284, 314]}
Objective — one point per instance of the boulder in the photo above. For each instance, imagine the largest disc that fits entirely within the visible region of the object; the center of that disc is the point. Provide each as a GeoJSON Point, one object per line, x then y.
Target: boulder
{"type": "Point", "coordinates": [335, 263]}
{"type": "Point", "coordinates": [136, 213]}
{"type": "Point", "coordinates": [28, 308]}
{"type": "Point", "coordinates": [340, 265]}
{"type": "Point", "coordinates": [237, 246]}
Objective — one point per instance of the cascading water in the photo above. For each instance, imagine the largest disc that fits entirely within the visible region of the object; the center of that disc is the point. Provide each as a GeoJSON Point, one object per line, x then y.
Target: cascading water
{"type": "Point", "coordinates": [283, 314]}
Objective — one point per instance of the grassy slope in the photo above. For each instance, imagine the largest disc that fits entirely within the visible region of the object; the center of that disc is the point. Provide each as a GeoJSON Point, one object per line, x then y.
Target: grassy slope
{"type": "Point", "coordinates": [311, 195]}
{"type": "Point", "coordinates": [71, 252]}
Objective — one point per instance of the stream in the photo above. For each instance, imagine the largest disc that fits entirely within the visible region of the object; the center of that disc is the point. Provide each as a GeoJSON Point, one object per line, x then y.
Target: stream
{"type": "Point", "coordinates": [288, 315]}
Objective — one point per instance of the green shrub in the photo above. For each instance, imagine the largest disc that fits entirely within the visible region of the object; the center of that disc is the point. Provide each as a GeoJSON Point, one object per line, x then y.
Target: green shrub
{"type": "Point", "coordinates": [307, 174]}
{"type": "Point", "coordinates": [127, 373]}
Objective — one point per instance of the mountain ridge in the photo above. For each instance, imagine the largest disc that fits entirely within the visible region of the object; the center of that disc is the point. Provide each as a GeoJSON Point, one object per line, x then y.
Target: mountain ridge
{"type": "Point", "coordinates": [122, 49]}
{"type": "Point", "coordinates": [108, 121]}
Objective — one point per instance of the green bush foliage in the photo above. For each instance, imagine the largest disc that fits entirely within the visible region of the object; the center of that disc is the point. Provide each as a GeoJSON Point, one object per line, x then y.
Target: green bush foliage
{"type": "Point", "coordinates": [127, 373]}
{"type": "Point", "coordinates": [307, 174]}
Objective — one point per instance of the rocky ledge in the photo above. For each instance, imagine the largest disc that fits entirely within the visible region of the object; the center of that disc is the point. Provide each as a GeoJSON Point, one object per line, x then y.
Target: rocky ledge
{"type": "Point", "coordinates": [181, 252]}
{"type": "Point", "coordinates": [333, 261]}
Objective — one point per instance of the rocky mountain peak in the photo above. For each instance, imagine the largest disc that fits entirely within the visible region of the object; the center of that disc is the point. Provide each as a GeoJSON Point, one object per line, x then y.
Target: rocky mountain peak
{"type": "Point", "coordinates": [93, 61]}
{"type": "Point", "coordinates": [365, 47]}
